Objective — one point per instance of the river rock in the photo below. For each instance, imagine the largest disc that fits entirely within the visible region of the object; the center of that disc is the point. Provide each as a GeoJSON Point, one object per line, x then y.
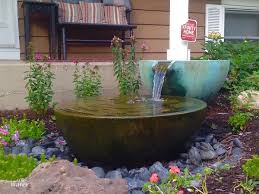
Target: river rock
{"type": "Point", "coordinates": [124, 172]}
{"type": "Point", "coordinates": [205, 146]}
{"type": "Point", "coordinates": [158, 168]}
{"type": "Point", "coordinates": [52, 152]}
{"type": "Point", "coordinates": [26, 149]}
{"type": "Point", "coordinates": [135, 184]}
{"type": "Point", "coordinates": [16, 150]}
{"type": "Point", "coordinates": [237, 143]}
{"type": "Point", "coordinates": [99, 172]}
{"type": "Point", "coordinates": [209, 138]}
{"type": "Point", "coordinates": [194, 156]}
{"type": "Point", "coordinates": [208, 154]}
{"type": "Point", "coordinates": [113, 174]}
{"type": "Point", "coordinates": [37, 151]}
{"type": "Point", "coordinates": [64, 177]}
{"type": "Point", "coordinates": [136, 192]}
{"type": "Point", "coordinates": [142, 174]}
{"type": "Point", "coordinates": [220, 151]}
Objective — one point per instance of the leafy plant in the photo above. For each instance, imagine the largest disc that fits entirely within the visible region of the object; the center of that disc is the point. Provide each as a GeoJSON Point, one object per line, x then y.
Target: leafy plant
{"type": "Point", "coordinates": [75, 161]}
{"type": "Point", "coordinates": [14, 167]}
{"type": "Point", "coordinates": [125, 67]}
{"type": "Point", "coordinates": [251, 168]}
{"type": "Point", "coordinates": [177, 182]}
{"type": "Point", "coordinates": [239, 120]}
{"type": "Point", "coordinates": [248, 186]}
{"type": "Point", "coordinates": [13, 130]}
{"type": "Point", "coordinates": [244, 68]}
{"type": "Point", "coordinates": [87, 81]}
{"type": "Point", "coordinates": [39, 83]}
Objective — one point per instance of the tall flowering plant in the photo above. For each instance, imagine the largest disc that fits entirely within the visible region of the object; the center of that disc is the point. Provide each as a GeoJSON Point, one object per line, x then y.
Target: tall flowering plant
{"type": "Point", "coordinates": [39, 84]}
{"type": "Point", "coordinates": [125, 67]}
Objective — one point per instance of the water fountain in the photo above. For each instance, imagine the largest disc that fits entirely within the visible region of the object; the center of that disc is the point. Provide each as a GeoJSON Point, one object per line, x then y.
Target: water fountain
{"type": "Point", "coordinates": [122, 130]}
{"type": "Point", "coordinates": [200, 79]}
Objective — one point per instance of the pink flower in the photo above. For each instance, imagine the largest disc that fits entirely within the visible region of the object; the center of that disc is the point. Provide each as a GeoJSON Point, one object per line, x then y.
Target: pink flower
{"type": "Point", "coordinates": [180, 192]}
{"type": "Point", "coordinates": [154, 178]}
{"type": "Point", "coordinates": [16, 136]}
{"type": "Point", "coordinates": [3, 131]}
{"type": "Point", "coordinates": [38, 57]}
{"type": "Point", "coordinates": [4, 143]}
{"type": "Point", "coordinates": [144, 46]}
{"type": "Point", "coordinates": [75, 61]}
{"type": "Point", "coordinates": [174, 170]}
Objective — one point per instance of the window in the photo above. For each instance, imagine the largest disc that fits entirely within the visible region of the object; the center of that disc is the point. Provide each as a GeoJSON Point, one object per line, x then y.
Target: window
{"type": "Point", "coordinates": [233, 22]}
{"type": "Point", "coordinates": [241, 25]}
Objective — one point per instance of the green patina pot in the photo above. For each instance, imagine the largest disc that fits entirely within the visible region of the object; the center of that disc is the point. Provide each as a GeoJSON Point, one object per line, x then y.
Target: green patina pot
{"type": "Point", "coordinates": [196, 78]}
{"type": "Point", "coordinates": [122, 131]}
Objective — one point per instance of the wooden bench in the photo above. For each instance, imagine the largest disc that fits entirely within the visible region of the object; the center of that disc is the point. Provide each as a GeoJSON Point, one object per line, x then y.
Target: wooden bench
{"type": "Point", "coordinates": [65, 39]}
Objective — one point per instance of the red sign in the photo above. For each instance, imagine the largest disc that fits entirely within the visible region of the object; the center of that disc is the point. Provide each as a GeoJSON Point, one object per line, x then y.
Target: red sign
{"type": "Point", "coordinates": [189, 31]}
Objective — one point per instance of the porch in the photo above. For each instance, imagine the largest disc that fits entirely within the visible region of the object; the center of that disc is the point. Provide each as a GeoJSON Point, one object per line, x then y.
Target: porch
{"type": "Point", "coordinates": [151, 18]}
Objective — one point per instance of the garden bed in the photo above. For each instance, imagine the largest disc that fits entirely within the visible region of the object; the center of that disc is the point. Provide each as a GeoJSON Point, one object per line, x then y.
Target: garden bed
{"type": "Point", "coordinates": [216, 123]}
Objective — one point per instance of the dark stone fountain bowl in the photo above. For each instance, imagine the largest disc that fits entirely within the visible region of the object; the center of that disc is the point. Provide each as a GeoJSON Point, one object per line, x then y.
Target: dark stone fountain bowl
{"type": "Point", "coordinates": [120, 130]}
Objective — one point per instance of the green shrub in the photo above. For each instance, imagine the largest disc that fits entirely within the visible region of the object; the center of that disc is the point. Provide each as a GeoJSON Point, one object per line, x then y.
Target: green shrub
{"type": "Point", "coordinates": [25, 128]}
{"type": "Point", "coordinates": [87, 81]}
{"type": "Point", "coordinates": [239, 120]}
{"type": "Point", "coordinates": [244, 59]}
{"type": "Point", "coordinates": [125, 68]}
{"type": "Point", "coordinates": [251, 168]}
{"type": "Point", "coordinates": [39, 83]}
{"type": "Point", "coordinates": [16, 167]}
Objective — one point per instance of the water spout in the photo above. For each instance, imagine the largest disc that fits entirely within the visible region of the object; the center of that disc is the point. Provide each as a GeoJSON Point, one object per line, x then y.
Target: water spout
{"type": "Point", "coordinates": [160, 70]}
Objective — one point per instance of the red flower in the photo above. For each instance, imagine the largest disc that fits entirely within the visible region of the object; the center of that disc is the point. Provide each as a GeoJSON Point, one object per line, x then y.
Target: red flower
{"type": "Point", "coordinates": [180, 192]}
{"type": "Point", "coordinates": [174, 170]}
{"type": "Point", "coordinates": [154, 178]}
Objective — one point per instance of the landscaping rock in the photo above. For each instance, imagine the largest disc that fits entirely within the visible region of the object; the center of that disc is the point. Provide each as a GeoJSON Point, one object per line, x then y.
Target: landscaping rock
{"type": "Point", "coordinates": [52, 152]}
{"type": "Point", "coordinates": [26, 149]}
{"type": "Point", "coordinates": [124, 172]}
{"type": "Point", "coordinates": [237, 153]}
{"type": "Point", "coordinates": [184, 155]}
{"type": "Point", "coordinates": [137, 192]}
{"type": "Point", "coordinates": [237, 143]}
{"type": "Point", "coordinates": [142, 174]}
{"type": "Point", "coordinates": [64, 177]}
{"type": "Point", "coordinates": [220, 151]}
{"type": "Point", "coordinates": [209, 138]}
{"type": "Point", "coordinates": [158, 168]}
{"type": "Point", "coordinates": [205, 146]}
{"type": "Point", "coordinates": [37, 151]}
{"type": "Point", "coordinates": [249, 98]}
{"type": "Point", "coordinates": [194, 156]}
{"type": "Point", "coordinates": [113, 174]}
{"type": "Point", "coordinates": [7, 150]}
{"type": "Point", "coordinates": [208, 154]}
{"type": "Point", "coordinates": [99, 172]}
{"type": "Point", "coordinates": [135, 184]}
{"type": "Point", "coordinates": [16, 150]}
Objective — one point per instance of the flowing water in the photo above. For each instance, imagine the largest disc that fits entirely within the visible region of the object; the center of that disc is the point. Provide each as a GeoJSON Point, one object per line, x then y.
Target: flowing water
{"type": "Point", "coordinates": [158, 81]}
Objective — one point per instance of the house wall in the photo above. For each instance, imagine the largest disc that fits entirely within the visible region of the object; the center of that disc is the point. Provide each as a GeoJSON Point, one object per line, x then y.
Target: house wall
{"type": "Point", "coordinates": [151, 17]}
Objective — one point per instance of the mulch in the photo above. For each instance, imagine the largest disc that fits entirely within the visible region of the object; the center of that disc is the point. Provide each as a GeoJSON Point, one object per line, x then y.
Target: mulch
{"type": "Point", "coordinates": [218, 112]}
